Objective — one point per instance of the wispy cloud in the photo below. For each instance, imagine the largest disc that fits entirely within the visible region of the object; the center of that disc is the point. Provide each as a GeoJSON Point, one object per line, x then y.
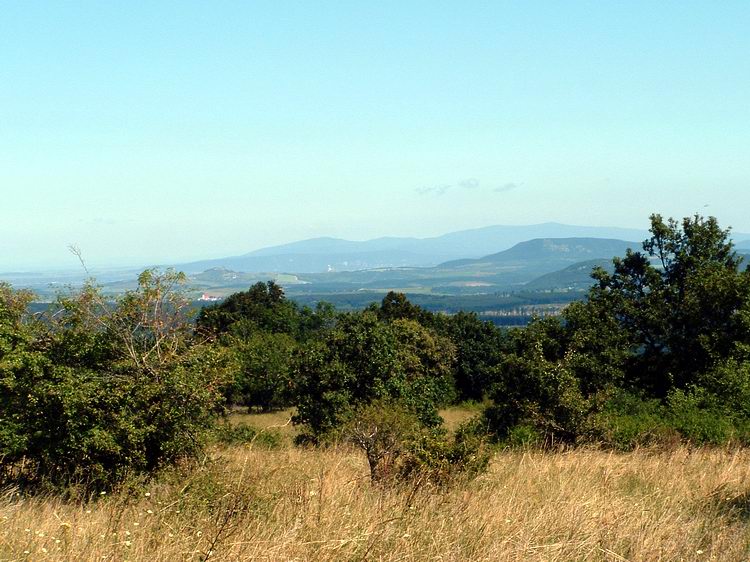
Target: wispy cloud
{"type": "Point", "coordinates": [510, 186]}
{"type": "Point", "coordinates": [434, 190]}
{"type": "Point", "coordinates": [472, 184]}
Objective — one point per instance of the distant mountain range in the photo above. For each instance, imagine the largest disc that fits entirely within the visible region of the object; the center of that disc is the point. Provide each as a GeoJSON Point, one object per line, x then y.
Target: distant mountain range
{"type": "Point", "coordinates": [485, 261]}
{"type": "Point", "coordinates": [333, 254]}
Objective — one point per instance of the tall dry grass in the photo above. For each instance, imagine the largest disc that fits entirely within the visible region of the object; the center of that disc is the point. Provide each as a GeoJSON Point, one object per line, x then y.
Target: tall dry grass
{"type": "Point", "coordinates": [297, 504]}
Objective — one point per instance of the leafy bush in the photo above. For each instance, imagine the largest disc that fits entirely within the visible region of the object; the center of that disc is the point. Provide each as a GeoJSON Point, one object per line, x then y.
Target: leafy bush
{"type": "Point", "coordinates": [537, 387]}
{"type": "Point", "coordinates": [384, 430]}
{"type": "Point", "coordinates": [399, 447]}
{"type": "Point", "coordinates": [627, 421]}
{"type": "Point", "coordinates": [699, 418]}
{"type": "Point", "coordinates": [101, 390]}
{"type": "Point", "coordinates": [446, 459]}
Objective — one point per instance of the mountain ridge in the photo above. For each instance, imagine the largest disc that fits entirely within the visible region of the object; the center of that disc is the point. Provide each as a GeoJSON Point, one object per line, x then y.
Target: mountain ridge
{"type": "Point", "coordinates": [323, 254]}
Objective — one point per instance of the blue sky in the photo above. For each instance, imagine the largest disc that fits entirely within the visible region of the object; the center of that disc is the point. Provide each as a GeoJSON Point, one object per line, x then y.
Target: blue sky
{"type": "Point", "coordinates": [164, 131]}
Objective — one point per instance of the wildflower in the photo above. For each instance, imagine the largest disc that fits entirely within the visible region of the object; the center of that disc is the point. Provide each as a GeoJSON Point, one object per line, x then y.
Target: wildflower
{"type": "Point", "coordinates": [699, 551]}
{"type": "Point", "coordinates": [102, 493]}
{"type": "Point", "coordinates": [147, 494]}
{"type": "Point", "coordinates": [44, 550]}
{"type": "Point", "coordinates": [149, 511]}
{"type": "Point", "coordinates": [135, 523]}
{"type": "Point", "coordinates": [128, 543]}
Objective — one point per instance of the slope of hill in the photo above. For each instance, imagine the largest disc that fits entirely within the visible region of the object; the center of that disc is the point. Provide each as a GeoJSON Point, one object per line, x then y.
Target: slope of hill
{"type": "Point", "coordinates": [576, 277]}
{"type": "Point", "coordinates": [546, 253]}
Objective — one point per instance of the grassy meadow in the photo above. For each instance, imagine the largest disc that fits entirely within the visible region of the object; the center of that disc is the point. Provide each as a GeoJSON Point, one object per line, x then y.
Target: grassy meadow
{"type": "Point", "coordinates": [244, 502]}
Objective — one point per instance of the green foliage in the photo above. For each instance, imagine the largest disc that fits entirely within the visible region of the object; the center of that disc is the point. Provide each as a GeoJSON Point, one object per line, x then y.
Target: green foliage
{"type": "Point", "coordinates": [263, 308]}
{"type": "Point", "coordinates": [101, 390]}
{"type": "Point", "coordinates": [660, 350]}
{"type": "Point", "coordinates": [626, 421]}
{"type": "Point", "coordinates": [524, 435]}
{"type": "Point", "coordinates": [264, 375]}
{"type": "Point", "coordinates": [395, 306]}
{"type": "Point", "coordinates": [384, 430]}
{"type": "Point", "coordinates": [364, 359]}
{"type": "Point", "coordinates": [537, 386]}
{"type": "Point", "coordinates": [700, 418]}
{"type": "Point", "coordinates": [480, 346]}
{"type": "Point", "coordinates": [683, 303]}
{"type": "Point", "coordinates": [446, 459]}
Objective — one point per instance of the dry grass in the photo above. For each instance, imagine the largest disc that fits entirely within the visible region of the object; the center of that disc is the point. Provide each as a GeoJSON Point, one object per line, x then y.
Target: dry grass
{"type": "Point", "coordinates": [296, 504]}
{"type": "Point", "coordinates": [278, 421]}
{"type": "Point", "coordinates": [453, 417]}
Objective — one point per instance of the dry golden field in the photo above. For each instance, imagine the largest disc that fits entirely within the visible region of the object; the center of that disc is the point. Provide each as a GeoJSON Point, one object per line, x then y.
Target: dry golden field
{"type": "Point", "coordinates": [246, 503]}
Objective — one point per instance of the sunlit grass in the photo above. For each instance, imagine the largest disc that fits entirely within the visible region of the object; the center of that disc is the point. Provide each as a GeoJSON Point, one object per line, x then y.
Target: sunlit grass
{"type": "Point", "coordinates": [306, 504]}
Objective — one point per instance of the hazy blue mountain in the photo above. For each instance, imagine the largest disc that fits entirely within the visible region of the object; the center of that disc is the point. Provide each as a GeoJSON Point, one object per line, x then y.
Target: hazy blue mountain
{"type": "Point", "coordinates": [314, 262]}
{"type": "Point", "coordinates": [550, 253]}
{"type": "Point", "coordinates": [333, 254]}
{"type": "Point", "coordinates": [744, 245]}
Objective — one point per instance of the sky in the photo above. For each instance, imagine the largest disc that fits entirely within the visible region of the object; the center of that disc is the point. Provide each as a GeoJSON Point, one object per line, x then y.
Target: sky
{"type": "Point", "coordinates": [159, 132]}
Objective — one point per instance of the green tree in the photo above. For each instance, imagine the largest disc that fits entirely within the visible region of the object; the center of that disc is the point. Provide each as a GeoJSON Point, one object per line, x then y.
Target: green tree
{"type": "Point", "coordinates": [264, 375]}
{"type": "Point", "coordinates": [365, 359]}
{"type": "Point", "coordinates": [537, 385]}
{"type": "Point", "coordinates": [263, 307]}
{"type": "Point", "coordinates": [480, 347]}
{"type": "Point", "coordinates": [683, 302]}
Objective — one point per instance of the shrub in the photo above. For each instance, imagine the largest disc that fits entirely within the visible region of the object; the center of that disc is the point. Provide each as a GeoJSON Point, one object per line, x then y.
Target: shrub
{"type": "Point", "coordinates": [103, 390]}
{"type": "Point", "coordinates": [443, 459]}
{"type": "Point", "coordinates": [627, 421]}
{"type": "Point", "coordinates": [399, 447]}
{"type": "Point", "coordinates": [384, 430]}
{"type": "Point", "coordinates": [699, 418]}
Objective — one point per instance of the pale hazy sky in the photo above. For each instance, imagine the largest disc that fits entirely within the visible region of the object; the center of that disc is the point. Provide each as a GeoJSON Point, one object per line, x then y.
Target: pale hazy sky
{"type": "Point", "coordinates": [164, 131]}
